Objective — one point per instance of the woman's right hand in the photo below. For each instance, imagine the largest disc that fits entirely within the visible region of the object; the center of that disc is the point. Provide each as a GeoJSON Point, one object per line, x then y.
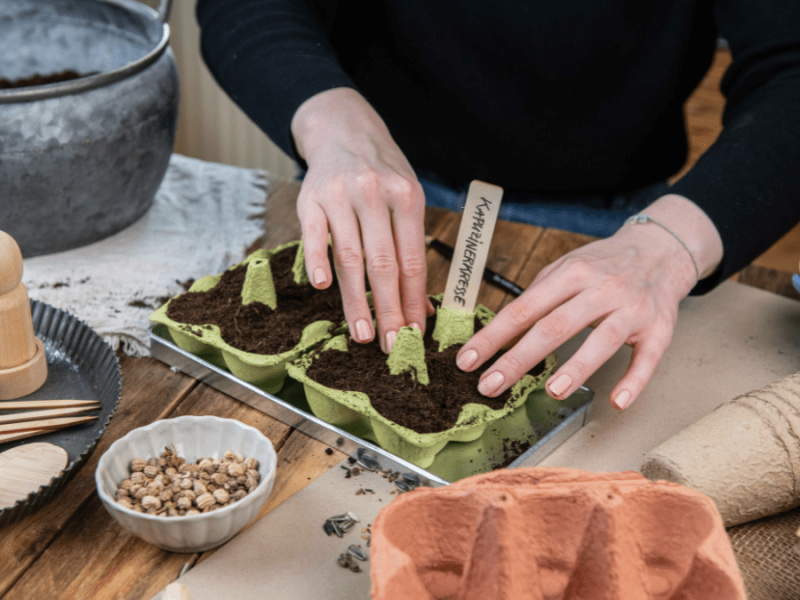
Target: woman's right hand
{"type": "Point", "coordinates": [361, 189]}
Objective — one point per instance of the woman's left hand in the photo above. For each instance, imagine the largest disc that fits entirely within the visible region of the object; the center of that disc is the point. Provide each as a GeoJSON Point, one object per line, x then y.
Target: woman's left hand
{"type": "Point", "coordinates": [629, 285]}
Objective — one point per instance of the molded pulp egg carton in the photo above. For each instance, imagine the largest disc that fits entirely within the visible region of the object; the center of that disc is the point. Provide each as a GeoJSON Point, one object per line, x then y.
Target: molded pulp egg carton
{"type": "Point", "coordinates": [353, 412]}
{"type": "Point", "coordinates": [267, 371]}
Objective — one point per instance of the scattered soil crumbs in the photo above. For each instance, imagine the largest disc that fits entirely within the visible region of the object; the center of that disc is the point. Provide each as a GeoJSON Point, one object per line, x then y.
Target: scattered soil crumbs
{"type": "Point", "coordinates": [37, 79]}
{"type": "Point", "coordinates": [424, 409]}
{"type": "Point", "coordinates": [512, 450]}
{"type": "Point", "coordinates": [256, 327]}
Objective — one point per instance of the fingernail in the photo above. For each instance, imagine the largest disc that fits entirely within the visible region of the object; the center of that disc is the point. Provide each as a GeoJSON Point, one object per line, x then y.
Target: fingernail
{"type": "Point", "coordinates": [363, 330]}
{"type": "Point", "coordinates": [319, 276]}
{"type": "Point", "coordinates": [491, 383]}
{"type": "Point", "coordinates": [390, 337]}
{"type": "Point", "coordinates": [623, 399]}
{"type": "Point", "coordinates": [415, 326]}
{"type": "Point", "coordinates": [560, 385]}
{"type": "Point", "coordinates": [466, 360]}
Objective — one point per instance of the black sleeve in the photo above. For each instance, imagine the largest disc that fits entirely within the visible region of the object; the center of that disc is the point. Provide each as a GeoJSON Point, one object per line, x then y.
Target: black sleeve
{"type": "Point", "coordinates": [270, 56]}
{"type": "Point", "coordinates": [748, 182]}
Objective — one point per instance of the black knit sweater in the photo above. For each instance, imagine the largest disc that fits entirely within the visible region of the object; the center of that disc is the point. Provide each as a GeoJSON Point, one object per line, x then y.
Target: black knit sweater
{"type": "Point", "coordinates": [544, 97]}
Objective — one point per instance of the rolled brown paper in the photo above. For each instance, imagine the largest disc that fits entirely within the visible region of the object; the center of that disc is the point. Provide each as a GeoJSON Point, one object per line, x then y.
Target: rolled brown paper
{"type": "Point", "coordinates": [745, 455]}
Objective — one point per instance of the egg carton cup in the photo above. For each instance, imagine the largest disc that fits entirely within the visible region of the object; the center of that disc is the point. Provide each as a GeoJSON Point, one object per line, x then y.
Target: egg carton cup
{"type": "Point", "coordinates": [267, 371]}
{"type": "Point", "coordinates": [353, 412]}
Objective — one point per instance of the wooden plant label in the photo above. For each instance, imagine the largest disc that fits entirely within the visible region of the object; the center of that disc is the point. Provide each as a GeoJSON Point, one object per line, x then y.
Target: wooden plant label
{"type": "Point", "coordinates": [472, 247]}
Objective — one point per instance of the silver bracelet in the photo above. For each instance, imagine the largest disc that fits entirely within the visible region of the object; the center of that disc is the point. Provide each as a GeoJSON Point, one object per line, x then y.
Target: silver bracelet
{"type": "Point", "coordinates": [641, 218]}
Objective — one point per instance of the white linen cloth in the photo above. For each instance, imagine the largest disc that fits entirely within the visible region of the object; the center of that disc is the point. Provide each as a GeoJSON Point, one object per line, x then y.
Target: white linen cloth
{"type": "Point", "coordinates": [203, 218]}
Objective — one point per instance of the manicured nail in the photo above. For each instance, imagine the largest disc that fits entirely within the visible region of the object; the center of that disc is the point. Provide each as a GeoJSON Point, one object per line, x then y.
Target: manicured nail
{"type": "Point", "coordinates": [466, 360]}
{"type": "Point", "coordinates": [623, 399]}
{"type": "Point", "coordinates": [560, 385]}
{"type": "Point", "coordinates": [491, 383]}
{"type": "Point", "coordinates": [390, 337]}
{"type": "Point", "coordinates": [319, 276]}
{"type": "Point", "coordinates": [363, 330]}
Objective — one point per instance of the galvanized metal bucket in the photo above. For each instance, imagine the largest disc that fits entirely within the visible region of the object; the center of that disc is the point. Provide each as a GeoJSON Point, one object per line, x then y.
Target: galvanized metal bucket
{"type": "Point", "coordinates": [82, 159]}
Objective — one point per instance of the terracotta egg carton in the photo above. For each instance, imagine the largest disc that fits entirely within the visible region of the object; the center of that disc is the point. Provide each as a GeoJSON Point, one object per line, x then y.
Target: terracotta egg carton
{"type": "Point", "coordinates": [553, 533]}
{"type": "Point", "coordinates": [265, 370]}
{"type": "Point", "coordinates": [353, 411]}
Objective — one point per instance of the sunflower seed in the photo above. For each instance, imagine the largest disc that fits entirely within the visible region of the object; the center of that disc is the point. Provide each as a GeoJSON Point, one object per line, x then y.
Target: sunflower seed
{"type": "Point", "coordinates": [368, 462]}
{"type": "Point", "coordinates": [356, 552]}
{"type": "Point", "coordinates": [411, 479]}
{"type": "Point", "coordinates": [339, 518]}
{"type": "Point", "coordinates": [346, 526]}
{"type": "Point", "coordinates": [402, 486]}
{"type": "Point", "coordinates": [328, 527]}
{"type": "Point", "coordinates": [352, 516]}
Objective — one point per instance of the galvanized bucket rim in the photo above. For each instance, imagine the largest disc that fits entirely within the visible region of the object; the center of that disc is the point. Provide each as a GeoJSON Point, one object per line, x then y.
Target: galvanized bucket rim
{"type": "Point", "coordinates": [75, 86]}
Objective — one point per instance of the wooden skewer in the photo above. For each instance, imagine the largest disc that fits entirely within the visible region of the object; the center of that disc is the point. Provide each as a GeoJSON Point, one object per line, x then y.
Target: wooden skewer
{"type": "Point", "coordinates": [42, 404]}
{"type": "Point", "coordinates": [44, 424]}
{"type": "Point", "coordinates": [34, 415]}
{"type": "Point", "coordinates": [21, 435]}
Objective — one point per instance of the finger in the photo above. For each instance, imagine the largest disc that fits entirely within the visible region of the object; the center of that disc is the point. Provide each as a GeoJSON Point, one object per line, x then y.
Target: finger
{"type": "Point", "coordinates": [314, 225]}
{"type": "Point", "coordinates": [349, 264]}
{"type": "Point", "coordinates": [383, 272]}
{"type": "Point", "coordinates": [545, 336]}
{"type": "Point", "coordinates": [513, 320]}
{"type": "Point", "coordinates": [646, 355]}
{"type": "Point", "coordinates": [601, 345]}
{"type": "Point", "coordinates": [430, 310]}
{"type": "Point", "coordinates": [408, 220]}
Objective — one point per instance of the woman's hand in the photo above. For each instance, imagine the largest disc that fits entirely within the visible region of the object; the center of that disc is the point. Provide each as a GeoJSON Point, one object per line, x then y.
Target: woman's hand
{"type": "Point", "coordinates": [629, 285]}
{"type": "Point", "coordinates": [361, 189]}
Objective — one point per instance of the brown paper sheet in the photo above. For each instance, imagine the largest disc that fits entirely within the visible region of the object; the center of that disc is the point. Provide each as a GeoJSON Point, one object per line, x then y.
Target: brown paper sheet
{"type": "Point", "coordinates": [733, 340]}
{"type": "Point", "coordinates": [726, 343]}
{"type": "Point", "coordinates": [287, 555]}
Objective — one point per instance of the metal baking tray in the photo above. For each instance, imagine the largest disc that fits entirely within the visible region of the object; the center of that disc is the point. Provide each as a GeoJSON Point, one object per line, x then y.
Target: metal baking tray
{"type": "Point", "coordinates": [80, 365]}
{"type": "Point", "coordinates": [292, 409]}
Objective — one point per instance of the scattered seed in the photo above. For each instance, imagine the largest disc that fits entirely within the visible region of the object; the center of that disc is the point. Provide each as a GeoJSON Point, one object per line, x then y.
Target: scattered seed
{"type": "Point", "coordinates": [339, 518]}
{"type": "Point", "coordinates": [369, 462]}
{"type": "Point", "coordinates": [402, 486]}
{"type": "Point", "coordinates": [328, 527]}
{"type": "Point", "coordinates": [356, 552]}
{"type": "Point", "coordinates": [352, 517]}
{"type": "Point", "coordinates": [411, 479]}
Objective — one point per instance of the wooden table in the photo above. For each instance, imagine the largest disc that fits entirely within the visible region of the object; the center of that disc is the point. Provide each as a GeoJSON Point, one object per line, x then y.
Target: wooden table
{"type": "Point", "coordinates": [72, 549]}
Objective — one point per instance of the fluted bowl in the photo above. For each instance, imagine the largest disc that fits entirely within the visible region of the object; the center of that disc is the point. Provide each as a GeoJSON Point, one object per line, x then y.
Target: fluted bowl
{"type": "Point", "coordinates": [192, 438]}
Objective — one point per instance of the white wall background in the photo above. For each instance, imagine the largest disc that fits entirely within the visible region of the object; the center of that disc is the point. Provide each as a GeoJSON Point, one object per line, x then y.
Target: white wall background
{"type": "Point", "coordinates": [210, 126]}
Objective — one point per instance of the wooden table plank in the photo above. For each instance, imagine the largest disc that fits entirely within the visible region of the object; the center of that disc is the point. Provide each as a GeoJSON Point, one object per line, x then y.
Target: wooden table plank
{"type": "Point", "coordinates": [150, 390]}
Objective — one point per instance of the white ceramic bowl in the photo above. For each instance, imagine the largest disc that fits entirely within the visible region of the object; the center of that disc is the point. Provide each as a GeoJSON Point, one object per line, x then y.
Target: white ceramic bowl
{"type": "Point", "coordinates": [193, 438]}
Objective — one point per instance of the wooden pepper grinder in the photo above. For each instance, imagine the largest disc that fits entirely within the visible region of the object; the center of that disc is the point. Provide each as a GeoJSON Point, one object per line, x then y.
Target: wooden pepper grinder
{"type": "Point", "coordinates": [23, 362]}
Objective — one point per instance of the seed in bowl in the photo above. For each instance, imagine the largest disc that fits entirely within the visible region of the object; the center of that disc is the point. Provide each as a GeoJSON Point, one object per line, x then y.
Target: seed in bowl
{"type": "Point", "coordinates": [169, 486]}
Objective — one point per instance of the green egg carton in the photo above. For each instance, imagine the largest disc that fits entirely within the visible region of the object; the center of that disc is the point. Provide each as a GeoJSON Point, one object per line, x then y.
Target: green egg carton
{"type": "Point", "coordinates": [267, 371]}
{"type": "Point", "coordinates": [353, 412]}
